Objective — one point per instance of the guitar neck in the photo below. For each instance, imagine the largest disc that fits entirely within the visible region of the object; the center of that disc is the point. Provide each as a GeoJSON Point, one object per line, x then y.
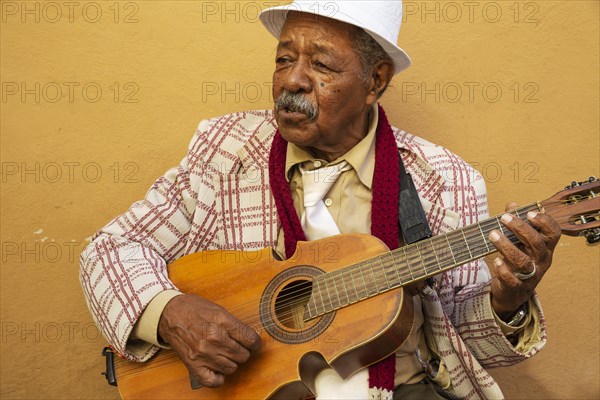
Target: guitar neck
{"type": "Point", "coordinates": [407, 264]}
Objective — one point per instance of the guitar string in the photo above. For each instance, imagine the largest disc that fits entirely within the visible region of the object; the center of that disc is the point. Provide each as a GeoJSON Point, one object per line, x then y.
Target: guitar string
{"type": "Point", "coordinates": [419, 260]}
{"type": "Point", "coordinates": [473, 232]}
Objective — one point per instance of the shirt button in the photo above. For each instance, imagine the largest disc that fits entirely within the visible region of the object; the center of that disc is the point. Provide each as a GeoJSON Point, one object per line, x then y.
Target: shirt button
{"type": "Point", "coordinates": [328, 202]}
{"type": "Point", "coordinates": [317, 164]}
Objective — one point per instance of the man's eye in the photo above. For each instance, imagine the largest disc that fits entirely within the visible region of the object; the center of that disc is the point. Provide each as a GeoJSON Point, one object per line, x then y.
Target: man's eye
{"type": "Point", "coordinates": [319, 64]}
{"type": "Point", "coordinates": [282, 60]}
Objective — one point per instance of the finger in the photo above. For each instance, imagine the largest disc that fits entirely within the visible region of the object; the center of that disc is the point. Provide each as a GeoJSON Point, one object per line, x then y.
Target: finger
{"type": "Point", "coordinates": [505, 274]}
{"type": "Point", "coordinates": [529, 237]}
{"type": "Point", "coordinates": [219, 364]}
{"type": "Point", "coordinates": [520, 261]}
{"type": "Point", "coordinates": [213, 340]}
{"type": "Point", "coordinates": [236, 330]}
{"type": "Point", "coordinates": [235, 351]}
{"type": "Point", "coordinates": [220, 352]}
{"type": "Point", "coordinates": [204, 376]}
{"type": "Point", "coordinates": [244, 335]}
{"type": "Point", "coordinates": [510, 206]}
{"type": "Point", "coordinates": [549, 228]}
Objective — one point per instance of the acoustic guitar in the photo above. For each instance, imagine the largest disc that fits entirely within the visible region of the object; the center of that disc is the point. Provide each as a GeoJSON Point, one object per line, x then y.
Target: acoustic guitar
{"type": "Point", "coordinates": [338, 302]}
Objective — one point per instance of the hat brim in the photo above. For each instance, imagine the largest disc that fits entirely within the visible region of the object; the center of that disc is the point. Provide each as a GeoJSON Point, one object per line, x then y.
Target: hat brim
{"type": "Point", "coordinates": [274, 18]}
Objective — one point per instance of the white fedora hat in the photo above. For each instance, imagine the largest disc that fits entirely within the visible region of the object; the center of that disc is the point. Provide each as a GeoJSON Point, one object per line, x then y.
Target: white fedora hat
{"type": "Point", "coordinates": [380, 19]}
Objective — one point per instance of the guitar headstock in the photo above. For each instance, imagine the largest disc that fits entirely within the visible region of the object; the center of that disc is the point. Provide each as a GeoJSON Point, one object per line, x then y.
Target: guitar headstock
{"type": "Point", "coordinates": [577, 209]}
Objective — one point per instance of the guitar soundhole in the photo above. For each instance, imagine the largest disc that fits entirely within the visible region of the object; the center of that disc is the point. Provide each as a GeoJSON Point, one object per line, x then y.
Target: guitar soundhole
{"type": "Point", "coordinates": [290, 304]}
{"type": "Point", "coordinates": [283, 306]}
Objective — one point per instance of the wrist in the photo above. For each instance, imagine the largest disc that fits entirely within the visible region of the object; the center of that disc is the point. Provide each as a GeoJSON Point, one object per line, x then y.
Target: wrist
{"type": "Point", "coordinates": [517, 318]}
{"type": "Point", "coordinates": [504, 312]}
{"type": "Point", "coordinates": [164, 325]}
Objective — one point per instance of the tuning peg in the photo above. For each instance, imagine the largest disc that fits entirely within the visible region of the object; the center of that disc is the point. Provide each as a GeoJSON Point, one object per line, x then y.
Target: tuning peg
{"type": "Point", "coordinates": [592, 236]}
{"type": "Point", "coordinates": [574, 184]}
{"type": "Point", "coordinates": [591, 179]}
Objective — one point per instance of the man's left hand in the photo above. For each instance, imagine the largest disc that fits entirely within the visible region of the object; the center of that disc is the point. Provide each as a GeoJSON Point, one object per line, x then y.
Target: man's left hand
{"type": "Point", "coordinates": [534, 253]}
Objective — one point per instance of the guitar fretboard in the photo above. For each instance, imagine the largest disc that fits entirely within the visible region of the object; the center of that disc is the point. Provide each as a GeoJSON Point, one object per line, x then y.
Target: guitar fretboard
{"type": "Point", "coordinates": [406, 265]}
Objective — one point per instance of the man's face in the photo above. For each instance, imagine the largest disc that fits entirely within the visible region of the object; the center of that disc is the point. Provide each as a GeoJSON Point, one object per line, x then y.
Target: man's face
{"type": "Point", "coordinates": [317, 70]}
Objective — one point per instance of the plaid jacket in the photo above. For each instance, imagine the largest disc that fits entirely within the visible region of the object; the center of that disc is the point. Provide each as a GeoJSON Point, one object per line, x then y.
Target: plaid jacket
{"type": "Point", "coordinates": [219, 198]}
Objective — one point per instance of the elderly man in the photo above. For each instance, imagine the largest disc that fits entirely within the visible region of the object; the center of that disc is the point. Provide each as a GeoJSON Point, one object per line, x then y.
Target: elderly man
{"type": "Point", "coordinates": [329, 73]}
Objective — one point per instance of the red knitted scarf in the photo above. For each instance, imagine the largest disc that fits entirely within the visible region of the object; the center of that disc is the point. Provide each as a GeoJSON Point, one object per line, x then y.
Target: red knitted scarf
{"type": "Point", "coordinates": [384, 213]}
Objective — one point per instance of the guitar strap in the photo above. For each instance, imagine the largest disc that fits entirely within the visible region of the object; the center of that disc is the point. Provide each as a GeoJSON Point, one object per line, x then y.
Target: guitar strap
{"type": "Point", "coordinates": [411, 216]}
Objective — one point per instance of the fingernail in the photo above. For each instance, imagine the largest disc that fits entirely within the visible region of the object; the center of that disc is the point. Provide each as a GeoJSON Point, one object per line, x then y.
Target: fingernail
{"type": "Point", "coordinates": [506, 218]}
{"type": "Point", "coordinates": [494, 236]}
{"type": "Point", "coordinates": [497, 262]}
{"type": "Point", "coordinates": [531, 214]}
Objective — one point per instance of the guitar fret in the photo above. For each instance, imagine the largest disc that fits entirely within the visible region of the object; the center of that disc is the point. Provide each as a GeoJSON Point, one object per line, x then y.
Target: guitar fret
{"type": "Point", "coordinates": [320, 295]}
{"type": "Point", "coordinates": [354, 283]}
{"type": "Point", "coordinates": [483, 237]}
{"type": "Point", "coordinates": [383, 270]}
{"type": "Point", "coordinates": [327, 291]}
{"type": "Point", "coordinates": [396, 267]}
{"type": "Point", "coordinates": [392, 269]}
{"type": "Point", "coordinates": [336, 291]}
{"type": "Point", "coordinates": [451, 251]}
{"type": "Point", "coordinates": [364, 281]}
{"type": "Point", "coordinates": [345, 288]}
{"type": "Point", "coordinates": [500, 225]}
{"type": "Point", "coordinates": [374, 278]}
{"type": "Point", "coordinates": [466, 242]}
{"type": "Point", "coordinates": [408, 264]}
{"type": "Point", "coordinates": [517, 213]}
{"type": "Point", "coordinates": [421, 257]}
{"type": "Point", "coordinates": [437, 260]}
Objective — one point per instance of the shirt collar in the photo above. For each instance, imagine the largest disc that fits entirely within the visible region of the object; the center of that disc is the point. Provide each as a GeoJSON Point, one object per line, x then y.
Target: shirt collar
{"type": "Point", "coordinates": [361, 157]}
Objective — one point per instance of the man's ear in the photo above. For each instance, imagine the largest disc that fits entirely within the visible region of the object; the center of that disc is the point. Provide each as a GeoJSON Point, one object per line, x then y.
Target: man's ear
{"type": "Point", "coordinates": [381, 75]}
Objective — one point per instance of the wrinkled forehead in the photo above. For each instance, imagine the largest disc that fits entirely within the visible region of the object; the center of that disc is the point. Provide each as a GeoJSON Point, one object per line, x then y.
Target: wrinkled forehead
{"type": "Point", "coordinates": [317, 29]}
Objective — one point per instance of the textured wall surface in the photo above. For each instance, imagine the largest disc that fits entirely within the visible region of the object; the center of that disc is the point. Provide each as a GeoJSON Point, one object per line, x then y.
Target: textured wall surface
{"type": "Point", "coordinates": [100, 98]}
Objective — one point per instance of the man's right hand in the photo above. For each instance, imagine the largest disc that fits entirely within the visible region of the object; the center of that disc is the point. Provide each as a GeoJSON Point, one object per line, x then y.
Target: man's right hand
{"type": "Point", "coordinates": [210, 341]}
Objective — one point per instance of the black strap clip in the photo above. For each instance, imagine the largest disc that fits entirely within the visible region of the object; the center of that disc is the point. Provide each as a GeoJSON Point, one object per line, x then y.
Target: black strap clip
{"type": "Point", "coordinates": [110, 375]}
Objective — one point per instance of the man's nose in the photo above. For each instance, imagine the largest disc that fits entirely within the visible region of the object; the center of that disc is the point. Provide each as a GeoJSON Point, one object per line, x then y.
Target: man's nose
{"type": "Point", "coordinates": [297, 78]}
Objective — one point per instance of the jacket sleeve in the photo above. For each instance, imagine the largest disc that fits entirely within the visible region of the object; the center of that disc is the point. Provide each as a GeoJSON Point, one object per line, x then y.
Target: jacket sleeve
{"type": "Point", "coordinates": [465, 296]}
{"type": "Point", "coordinates": [124, 267]}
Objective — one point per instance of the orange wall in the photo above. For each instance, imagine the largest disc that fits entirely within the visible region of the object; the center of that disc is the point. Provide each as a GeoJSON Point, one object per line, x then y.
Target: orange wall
{"type": "Point", "coordinates": [72, 157]}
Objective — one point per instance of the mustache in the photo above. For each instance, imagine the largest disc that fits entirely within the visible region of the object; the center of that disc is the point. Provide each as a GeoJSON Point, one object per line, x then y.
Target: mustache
{"type": "Point", "coordinates": [297, 102]}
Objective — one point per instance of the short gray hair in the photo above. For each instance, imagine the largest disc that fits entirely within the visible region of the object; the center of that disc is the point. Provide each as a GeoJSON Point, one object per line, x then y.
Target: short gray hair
{"type": "Point", "coordinates": [369, 53]}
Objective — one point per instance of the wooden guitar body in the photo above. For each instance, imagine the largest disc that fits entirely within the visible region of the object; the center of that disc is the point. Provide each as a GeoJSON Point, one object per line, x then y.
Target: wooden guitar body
{"type": "Point", "coordinates": [271, 296]}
